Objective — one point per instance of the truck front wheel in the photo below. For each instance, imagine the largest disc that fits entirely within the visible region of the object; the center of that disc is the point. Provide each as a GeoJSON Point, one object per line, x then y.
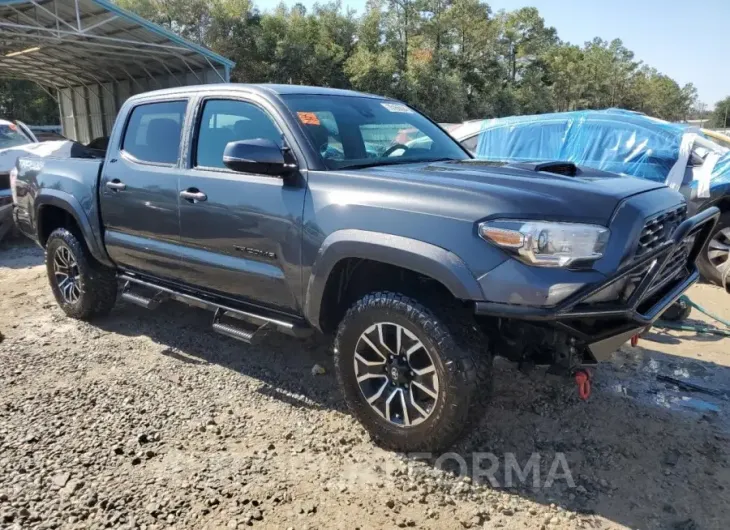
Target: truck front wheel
{"type": "Point", "coordinates": [83, 287]}
{"type": "Point", "coordinates": [414, 382]}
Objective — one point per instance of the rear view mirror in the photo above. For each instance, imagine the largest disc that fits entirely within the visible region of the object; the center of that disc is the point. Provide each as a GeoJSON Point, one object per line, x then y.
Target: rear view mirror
{"type": "Point", "coordinates": [259, 155]}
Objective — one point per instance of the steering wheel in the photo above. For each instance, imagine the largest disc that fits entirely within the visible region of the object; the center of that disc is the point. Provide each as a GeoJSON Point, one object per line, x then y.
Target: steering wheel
{"type": "Point", "coordinates": [395, 147]}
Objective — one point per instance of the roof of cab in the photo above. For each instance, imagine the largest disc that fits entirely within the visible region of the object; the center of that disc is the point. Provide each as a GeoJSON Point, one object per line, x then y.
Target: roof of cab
{"type": "Point", "coordinates": [263, 88]}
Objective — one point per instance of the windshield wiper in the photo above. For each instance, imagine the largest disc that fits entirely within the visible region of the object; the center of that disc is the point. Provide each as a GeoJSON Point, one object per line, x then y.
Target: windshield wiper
{"type": "Point", "coordinates": [397, 162]}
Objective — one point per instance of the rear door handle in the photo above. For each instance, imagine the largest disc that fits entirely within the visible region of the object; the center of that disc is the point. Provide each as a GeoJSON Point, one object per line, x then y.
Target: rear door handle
{"type": "Point", "coordinates": [116, 185]}
{"type": "Point", "coordinates": [193, 195]}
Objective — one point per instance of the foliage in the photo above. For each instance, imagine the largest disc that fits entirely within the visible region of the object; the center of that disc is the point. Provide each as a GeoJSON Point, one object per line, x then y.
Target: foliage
{"type": "Point", "coordinates": [27, 102]}
{"type": "Point", "coordinates": [721, 114]}
{"type": "Point", "coordinates": [453, 59]}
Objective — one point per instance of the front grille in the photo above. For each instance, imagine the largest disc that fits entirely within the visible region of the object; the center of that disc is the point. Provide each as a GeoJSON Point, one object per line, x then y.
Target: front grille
{"type": "Point", "coordinates": [659, 229]}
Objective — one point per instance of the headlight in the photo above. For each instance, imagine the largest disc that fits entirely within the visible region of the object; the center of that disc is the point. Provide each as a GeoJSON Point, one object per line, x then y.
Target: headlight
{"type": "Point", "coordinates": [13, 179]}
{"type": "Point", "coordinates": [546, 244]}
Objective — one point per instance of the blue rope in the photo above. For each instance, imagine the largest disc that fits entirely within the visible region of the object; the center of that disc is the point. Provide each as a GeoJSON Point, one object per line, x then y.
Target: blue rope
{"type": "Point", "coordinates": [698, 328]}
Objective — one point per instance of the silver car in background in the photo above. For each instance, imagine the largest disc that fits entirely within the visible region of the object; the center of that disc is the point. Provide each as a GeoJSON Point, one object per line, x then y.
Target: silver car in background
{"type": "Point", "coordinates": [13, 135]}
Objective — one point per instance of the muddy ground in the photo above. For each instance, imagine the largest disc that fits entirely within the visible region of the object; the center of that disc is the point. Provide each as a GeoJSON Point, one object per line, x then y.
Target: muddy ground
{"type": "Point", "coordinates": [151, 420]}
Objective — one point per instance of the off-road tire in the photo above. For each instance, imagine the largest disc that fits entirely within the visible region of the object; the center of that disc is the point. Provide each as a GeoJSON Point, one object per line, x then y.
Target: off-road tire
{"type": "Point", "coordinates": [461, 358]}
{"type": "Point", "coordinates": [708, 271]}
{"type": "Point", "coordinates": [97, 283]}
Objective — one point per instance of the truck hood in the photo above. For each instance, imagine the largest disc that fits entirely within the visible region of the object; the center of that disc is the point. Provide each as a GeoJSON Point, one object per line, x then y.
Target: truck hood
{"type": "Point", "coordinates": [515, 189]}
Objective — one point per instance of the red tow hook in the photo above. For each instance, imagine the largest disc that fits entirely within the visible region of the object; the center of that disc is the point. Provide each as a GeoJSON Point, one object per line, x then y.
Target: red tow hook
{"type": "Point", "coordinates": [583, 380]}
{"type": "Point", "coordinates": [635, 340]}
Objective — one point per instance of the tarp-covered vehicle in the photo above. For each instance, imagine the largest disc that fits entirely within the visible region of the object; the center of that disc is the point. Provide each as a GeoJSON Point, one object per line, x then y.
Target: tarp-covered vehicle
{"type": "Point", "coordinates": [622, 142]}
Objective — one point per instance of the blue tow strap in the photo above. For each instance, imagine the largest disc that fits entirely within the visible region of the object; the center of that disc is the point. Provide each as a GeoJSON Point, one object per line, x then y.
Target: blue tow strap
{"type": "Point", "coordinates": [698, 328]}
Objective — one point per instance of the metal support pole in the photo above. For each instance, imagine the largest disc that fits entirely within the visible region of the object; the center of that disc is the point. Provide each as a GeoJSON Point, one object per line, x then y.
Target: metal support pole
{"type": "Point", "coordinates": [89, 123]}
{"type": "Point", "coordinates": [78, 16]}
{"type": "Point", "coordinates": [60, 113]}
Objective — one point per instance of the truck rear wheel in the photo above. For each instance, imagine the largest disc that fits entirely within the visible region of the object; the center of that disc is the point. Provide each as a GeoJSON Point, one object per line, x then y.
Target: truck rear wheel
{"type": "Point", "coordinates": [414, 382]}
{"type": "Point", "coordinates": [83, 287]}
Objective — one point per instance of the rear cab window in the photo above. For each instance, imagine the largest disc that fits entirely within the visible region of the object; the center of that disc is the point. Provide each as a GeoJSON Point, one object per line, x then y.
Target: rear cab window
{"type": "Point", "coordinates": [154, 131]}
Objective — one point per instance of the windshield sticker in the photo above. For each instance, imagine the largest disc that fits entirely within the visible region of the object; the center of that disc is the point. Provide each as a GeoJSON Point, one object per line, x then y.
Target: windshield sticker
{"type": "Point", "coordinates": [308, 118]}
{"type": "Point", "coordinates": [397, 107]}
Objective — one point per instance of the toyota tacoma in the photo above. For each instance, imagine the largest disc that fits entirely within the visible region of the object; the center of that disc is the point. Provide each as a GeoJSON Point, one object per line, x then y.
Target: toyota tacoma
{"type": "Point", "coordinates": [301, 209]}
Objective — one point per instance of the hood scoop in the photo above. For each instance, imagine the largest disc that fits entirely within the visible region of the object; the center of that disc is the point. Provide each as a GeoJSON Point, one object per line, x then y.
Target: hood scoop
{"type": "Point", "coordinates": [567, 169]}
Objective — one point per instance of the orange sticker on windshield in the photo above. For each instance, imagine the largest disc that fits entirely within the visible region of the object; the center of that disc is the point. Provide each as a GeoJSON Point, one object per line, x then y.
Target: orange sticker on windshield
{"type": "Point", "coordinates": [308, 118]}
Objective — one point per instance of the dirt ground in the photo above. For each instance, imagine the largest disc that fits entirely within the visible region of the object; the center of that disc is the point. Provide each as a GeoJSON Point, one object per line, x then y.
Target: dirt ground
{"type": "Point", "coordinates": [151, 420]}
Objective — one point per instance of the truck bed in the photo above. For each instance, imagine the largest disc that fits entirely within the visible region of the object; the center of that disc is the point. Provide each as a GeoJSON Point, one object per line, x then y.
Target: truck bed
{"type": "Point", "coordinates": [42, 181]}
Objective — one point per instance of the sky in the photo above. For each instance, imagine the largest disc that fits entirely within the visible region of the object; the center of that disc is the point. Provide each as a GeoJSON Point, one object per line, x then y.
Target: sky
{"type": "Point", "coordinates": [683, 40]}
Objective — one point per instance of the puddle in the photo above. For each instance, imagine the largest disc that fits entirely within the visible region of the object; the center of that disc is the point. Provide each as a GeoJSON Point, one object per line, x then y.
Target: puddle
{"type": "Point", "coordinates": [624, 390]}
{"type": "Point", "coordinates": [678, 401]}
{"type": "Point", "coordinates": [633, 375]}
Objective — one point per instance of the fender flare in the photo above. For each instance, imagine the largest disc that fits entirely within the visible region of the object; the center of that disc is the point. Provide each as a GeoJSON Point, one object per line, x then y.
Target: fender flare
{"type": "Point", "coordinates": [69, 203]}
{"type": "Point", "coordinates": [412, 254]}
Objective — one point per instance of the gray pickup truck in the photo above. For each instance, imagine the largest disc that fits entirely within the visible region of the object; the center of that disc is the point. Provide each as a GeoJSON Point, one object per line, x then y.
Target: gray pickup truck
{"type": "Point", "coordinates": [301, 209]}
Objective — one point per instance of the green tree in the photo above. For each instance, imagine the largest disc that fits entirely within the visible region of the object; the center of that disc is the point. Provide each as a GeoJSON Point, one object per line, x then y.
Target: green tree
{"type": "Point", "coordinates": [658, 95]}
{"type": "Point", "coordinates": [567, 71]}
{"type": "Point", "coordinates": [454, 59]}
{"type": "Point", "coordinates": [27, 102]}
{"type": "Point", "coordinates": [475, 56]}
{"type": "Point", "coordinates": [721, 114]}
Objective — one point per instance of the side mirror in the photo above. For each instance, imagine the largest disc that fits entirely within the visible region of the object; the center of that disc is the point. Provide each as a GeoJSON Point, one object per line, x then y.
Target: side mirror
{"type": "Point", "coordinates": [259, 155]}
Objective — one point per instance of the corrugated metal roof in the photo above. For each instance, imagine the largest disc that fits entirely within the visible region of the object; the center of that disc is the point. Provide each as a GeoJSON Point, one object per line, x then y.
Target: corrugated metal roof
{"type": "Point", "coordinates": [71, 43]}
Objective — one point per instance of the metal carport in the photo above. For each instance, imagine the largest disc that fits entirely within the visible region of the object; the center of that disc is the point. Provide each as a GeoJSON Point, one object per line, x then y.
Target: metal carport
{"type": "Point", "coordinates": [91, 55]}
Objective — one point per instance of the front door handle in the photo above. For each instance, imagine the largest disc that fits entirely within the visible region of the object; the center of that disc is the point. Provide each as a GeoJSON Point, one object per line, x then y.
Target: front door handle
{"type": "Point", "coordinates": [193, 195]}
{"type": "Point", "coordinates": [116, 185]}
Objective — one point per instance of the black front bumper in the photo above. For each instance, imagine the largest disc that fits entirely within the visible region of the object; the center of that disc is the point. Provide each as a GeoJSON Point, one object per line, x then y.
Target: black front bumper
{"type": "Point", "coordinates": [645, 289]}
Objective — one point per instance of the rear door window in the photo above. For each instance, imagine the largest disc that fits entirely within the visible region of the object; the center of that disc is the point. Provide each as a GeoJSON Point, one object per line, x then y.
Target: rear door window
{"type": "Point", "coordinates": [153, 132]}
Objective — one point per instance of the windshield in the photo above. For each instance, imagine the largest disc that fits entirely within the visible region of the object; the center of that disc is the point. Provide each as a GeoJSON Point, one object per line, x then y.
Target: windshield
{"type": "Point", "coordinates": [12, 136]}
{"type": "Point", "coordinates": [351, 131]}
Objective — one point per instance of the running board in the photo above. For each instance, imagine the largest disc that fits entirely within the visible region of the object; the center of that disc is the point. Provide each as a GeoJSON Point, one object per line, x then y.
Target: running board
{"type": "Point", "coordinates": [142, 301]}
{"type": "Point", "coordinates": [247, 334]}
{"type": "Point", "coordinates": [259, 323]}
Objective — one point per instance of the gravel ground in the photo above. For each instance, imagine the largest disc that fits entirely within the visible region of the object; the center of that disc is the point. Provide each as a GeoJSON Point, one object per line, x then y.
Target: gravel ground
{"type": "Point", "coordinates": [151, 420]}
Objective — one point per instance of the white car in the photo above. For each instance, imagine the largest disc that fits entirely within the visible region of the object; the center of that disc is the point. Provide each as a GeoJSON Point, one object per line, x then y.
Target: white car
{"type": "Point", "coordinates": [13, 135]}
{"type": "Point", "coordinates": [467, 134]}
{"type": "Point", "coordinates": [16, 140]}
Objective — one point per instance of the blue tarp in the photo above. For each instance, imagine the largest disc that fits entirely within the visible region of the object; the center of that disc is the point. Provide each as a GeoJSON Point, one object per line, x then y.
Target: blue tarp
{"type": "Point", "coordinates": [613, 140]}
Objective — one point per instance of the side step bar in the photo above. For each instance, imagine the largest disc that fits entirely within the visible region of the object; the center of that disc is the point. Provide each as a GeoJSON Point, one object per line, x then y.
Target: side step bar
{"type": "Point", "coordinates": [250, 335]}
{"type": "Point", "coordinates": [142, 301]}
{"type": "Point", "coordinates": [258, 324]}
